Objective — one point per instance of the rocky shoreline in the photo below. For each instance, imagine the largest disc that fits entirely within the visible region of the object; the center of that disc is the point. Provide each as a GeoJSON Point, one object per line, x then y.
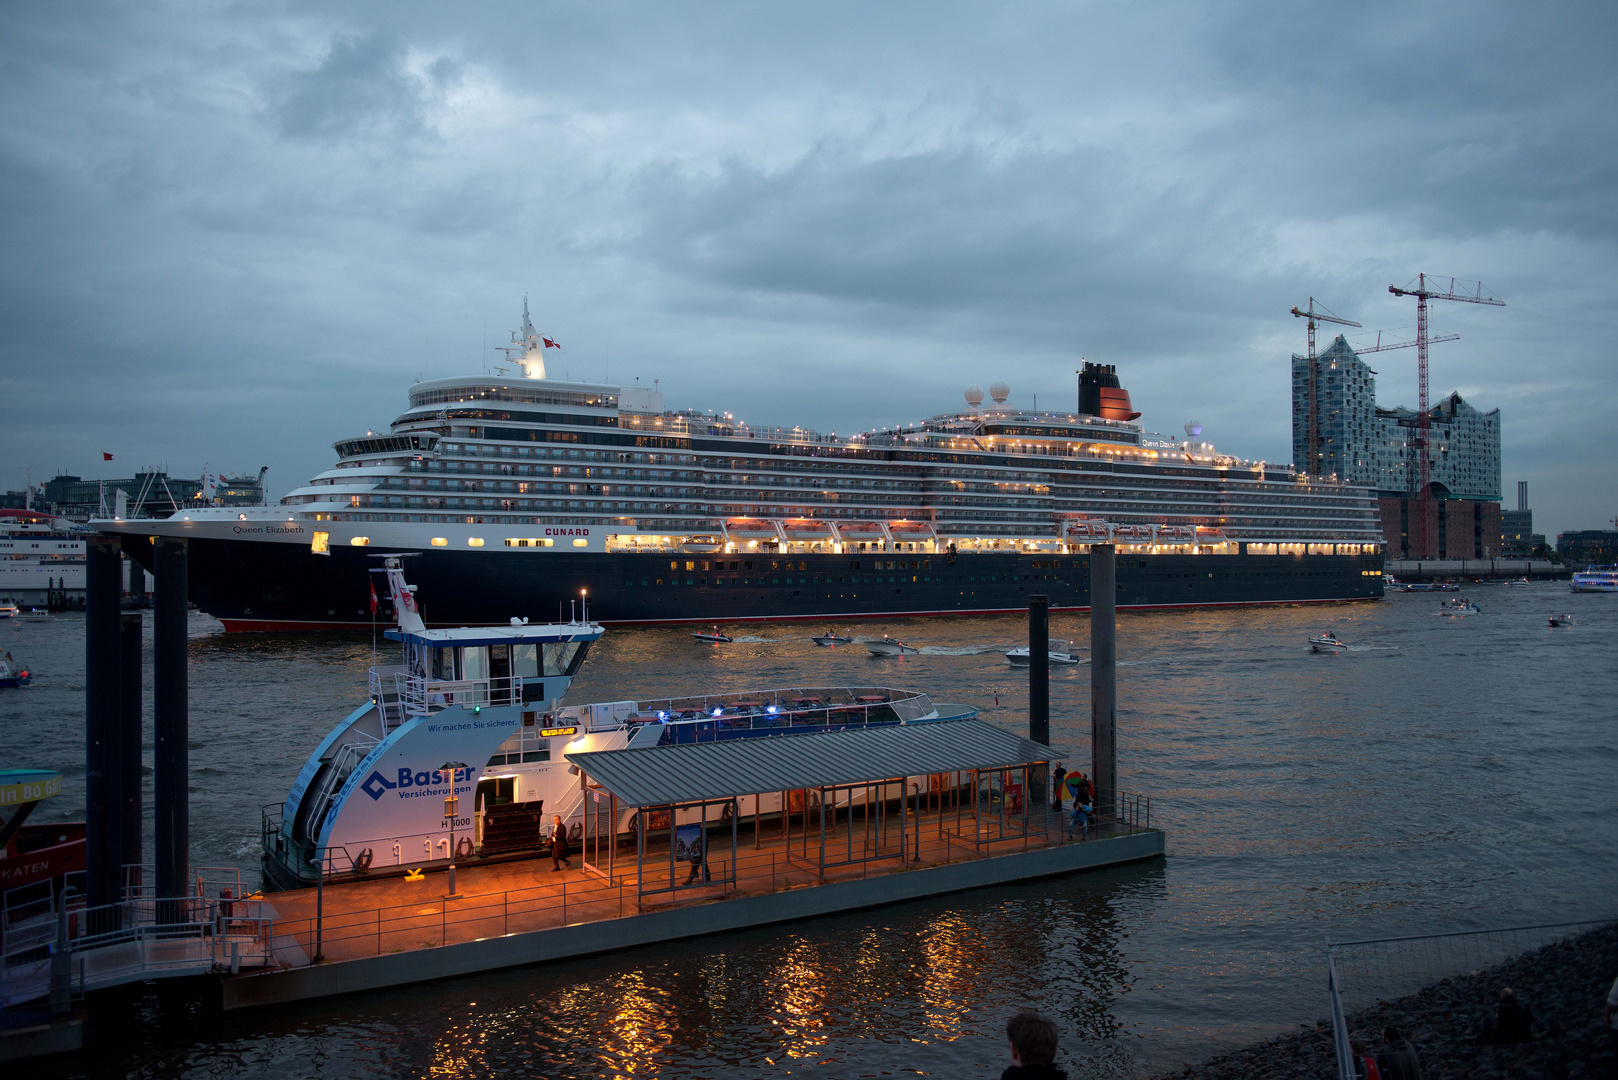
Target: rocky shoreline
{"type": "Point", "coordinates": [1565, 984]}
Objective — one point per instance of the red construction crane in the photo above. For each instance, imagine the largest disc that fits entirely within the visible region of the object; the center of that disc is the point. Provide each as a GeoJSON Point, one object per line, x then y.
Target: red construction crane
{"type": "Point", "coordinates": [1314, 317]}
{"type": "Point", "coordinates": [1423, 292]}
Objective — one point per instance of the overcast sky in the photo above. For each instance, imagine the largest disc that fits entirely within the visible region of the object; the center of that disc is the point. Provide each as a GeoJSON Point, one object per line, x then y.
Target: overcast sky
{"type": "Point", "coordinates": [235, 233]}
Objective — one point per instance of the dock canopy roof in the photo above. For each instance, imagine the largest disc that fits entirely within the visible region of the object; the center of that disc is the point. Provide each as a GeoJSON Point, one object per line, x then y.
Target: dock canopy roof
{"type": "Point", "coordinates": [667, 775]}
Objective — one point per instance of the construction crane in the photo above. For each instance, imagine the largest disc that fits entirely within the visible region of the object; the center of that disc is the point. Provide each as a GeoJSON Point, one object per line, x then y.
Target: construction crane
{"type": "Point", "coordinates": [1423, 292]}
{"type": "Point", "coordinates": [1314, 400]}
{"type": "Point", "coordinates": [1379, 347]}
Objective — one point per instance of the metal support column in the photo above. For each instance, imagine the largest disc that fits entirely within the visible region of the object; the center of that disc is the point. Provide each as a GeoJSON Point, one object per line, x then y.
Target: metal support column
{"type": "Point", "coordinates": [170, 723]}
{"type": "Point", "coordinates": [1039, 670]}
{"type": "Point", "coordinates": [130, 692]}
{"type": "Point", "coordinates": [103, 729]}
{"type": "Point", "coordinates": [1104, 674]}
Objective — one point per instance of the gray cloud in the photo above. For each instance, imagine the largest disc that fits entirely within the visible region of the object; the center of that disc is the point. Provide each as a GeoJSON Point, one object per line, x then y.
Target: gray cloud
{"type": "Point", "coordinates": [237, 234]}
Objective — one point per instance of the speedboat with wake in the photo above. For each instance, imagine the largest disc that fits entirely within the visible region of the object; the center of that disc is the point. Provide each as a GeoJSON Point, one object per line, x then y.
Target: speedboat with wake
{"type": "Point", "coordinates": [832, 637]}
{"type": "Point", "coordinates": [475, 713]}
{"type": "Point", "coordinates": [890, 646]}
{"type": "Point", "coordinates": [714, 636]}
{"type": "Point", "coordinates": [1327, 642]}
{"type": "Point", "coordinates": [1057, 650]}
{"type": "Point", "coordinates": [1561, 620]}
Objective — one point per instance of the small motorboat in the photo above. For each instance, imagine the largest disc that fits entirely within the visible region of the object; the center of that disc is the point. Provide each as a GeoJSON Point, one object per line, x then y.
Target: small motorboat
{"type": "Point", "coordinates": [832, 637]}
{"type": "Point", "coordinates": [1327, 642]}
{"type": "Point", "coordinates": [1448, 586]}
{"type": "Point", "coordinates": [1458, 607]}
{"type": "Point", "coordinates": [890, 646]}
{"type": "Point", "coordinates": [8, 610]}
{"type": "Point", "coordinates": [36, 615]}
{"type": "Point", "coordinates": [714, 636]}
{"type": "Point", "coordinates": [1517, 581]}
{"type": "Point", "coordinates": [10, 675]}
{"type": "Point", "coordinates": [1058, 650]}
{"type": "Point", "coordinates": [1561, 620]}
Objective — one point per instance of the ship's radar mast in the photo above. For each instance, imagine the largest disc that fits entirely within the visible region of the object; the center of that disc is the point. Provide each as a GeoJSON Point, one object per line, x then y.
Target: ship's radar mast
{"type": "Point", "coordinates": [527, 348]}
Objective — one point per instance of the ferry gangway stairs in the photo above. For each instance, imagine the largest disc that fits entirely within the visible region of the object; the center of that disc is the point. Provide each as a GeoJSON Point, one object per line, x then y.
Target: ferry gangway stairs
{"type": "Point", "coordinates": [70, 948]}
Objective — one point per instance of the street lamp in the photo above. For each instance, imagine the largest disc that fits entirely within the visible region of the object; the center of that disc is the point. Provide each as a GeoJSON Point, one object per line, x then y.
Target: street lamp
{"type": "Point", "coordinates": [452, 806]}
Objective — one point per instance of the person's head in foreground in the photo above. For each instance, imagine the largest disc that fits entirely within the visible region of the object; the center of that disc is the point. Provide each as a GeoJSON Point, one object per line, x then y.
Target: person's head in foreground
{"type": "Point", "coordinates": [1033, 1039]}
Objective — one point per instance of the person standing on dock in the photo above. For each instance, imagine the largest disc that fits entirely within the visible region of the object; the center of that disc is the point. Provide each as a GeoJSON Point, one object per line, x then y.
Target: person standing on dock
{"type": "Point", "coordinates": [559, 846]}
{"type": "Point", "coordinates": [699, 859]}
{"type": "Point", "coordinates": [1058, 775]}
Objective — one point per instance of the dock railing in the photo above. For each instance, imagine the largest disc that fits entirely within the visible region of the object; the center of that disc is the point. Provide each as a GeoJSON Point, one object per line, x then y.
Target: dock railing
{"type": "Point", "coordinates": [764, 862]}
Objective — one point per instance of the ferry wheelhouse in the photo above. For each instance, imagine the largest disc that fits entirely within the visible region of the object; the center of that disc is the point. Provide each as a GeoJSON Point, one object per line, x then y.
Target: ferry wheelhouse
{"type": "Point", "coordinates": [530, 490]}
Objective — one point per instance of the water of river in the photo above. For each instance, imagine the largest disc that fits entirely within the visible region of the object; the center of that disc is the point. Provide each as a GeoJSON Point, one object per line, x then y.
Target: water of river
{"type": "Point", "coordinates": [1442, 773]}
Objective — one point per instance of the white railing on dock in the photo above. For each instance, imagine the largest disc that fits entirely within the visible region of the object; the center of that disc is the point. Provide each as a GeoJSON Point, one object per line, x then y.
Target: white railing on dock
{"type": "Point", "coordinates": [132, 941]}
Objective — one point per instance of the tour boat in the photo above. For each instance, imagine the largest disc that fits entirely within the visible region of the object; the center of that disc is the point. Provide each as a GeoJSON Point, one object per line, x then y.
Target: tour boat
{"type": "Point", "coordinates": [461, 753]}
{"type": "Point", "coordinates": [1058, 650]}
{"type": "Point", "coordinates": [832, 637]}
{"type": "Point", "coordinates": [714, 636]}
{"type": "Point", "coordinates": [890, 646]}
{"type": "Point", "coordinates": [1327, 642]}
{"type": "Point", "coordinates": [1596, 579]}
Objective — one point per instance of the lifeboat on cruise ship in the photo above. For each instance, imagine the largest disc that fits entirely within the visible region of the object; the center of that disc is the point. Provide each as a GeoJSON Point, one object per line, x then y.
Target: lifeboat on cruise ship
{"type": "Point", "coordinates": [1087, 530]}
{"type": "Point", "coordinates": [911, 532]}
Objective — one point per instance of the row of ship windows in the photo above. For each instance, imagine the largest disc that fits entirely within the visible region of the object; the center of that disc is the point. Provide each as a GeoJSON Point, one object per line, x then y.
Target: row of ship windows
{"type": "Point", "coordinates": [959, 578]}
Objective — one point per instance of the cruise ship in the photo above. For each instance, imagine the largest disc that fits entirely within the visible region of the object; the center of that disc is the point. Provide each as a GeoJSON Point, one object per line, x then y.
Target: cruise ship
{"type": "Point", "coordinates": [518, 490]}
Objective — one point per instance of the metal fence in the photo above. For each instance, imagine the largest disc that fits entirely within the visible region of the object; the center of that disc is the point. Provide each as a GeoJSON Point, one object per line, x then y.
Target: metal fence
{"type": "Point", "coordinates": [1361, 973]}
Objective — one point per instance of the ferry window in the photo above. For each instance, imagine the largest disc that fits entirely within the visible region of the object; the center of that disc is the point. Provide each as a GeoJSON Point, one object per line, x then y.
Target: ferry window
{"type": "Point", "coordinates": [854, 565]}
{"type": "Point", "coordinates": [689, 565]}
{"type": "Point", "coordinates": [559, 657]}
{"type": "Point", "coordinates": [581, 542]}
{"type": "Point", "coordinates": [674, 566]}
{"type": "Point", "coordinates": [319, 543]}
{"type": "Point", "coordinates": [747, 565]}
{"type": "Point", "coordinates": [474, 541]}
{"type": "Point", "coordinates": [525, 661]}
{"type": "Point", "coordinates": [803, 566]}
{"type": "Point", "coordinates": [474, 663]}
{"type": "Point", "coordinates": [359, 541]}
{"type": "Point", "coordinates": [736, 566]}
{"type": "Point", "coordinates": [440, 541]}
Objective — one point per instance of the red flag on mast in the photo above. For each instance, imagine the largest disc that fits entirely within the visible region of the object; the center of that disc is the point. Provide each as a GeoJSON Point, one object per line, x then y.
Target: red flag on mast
{"type": "Point", "coordinates": [105, 456]}
{"type": "Point", "coordinates": [374, 602]}
{"type": "Point", "coordinates": [549, 344]}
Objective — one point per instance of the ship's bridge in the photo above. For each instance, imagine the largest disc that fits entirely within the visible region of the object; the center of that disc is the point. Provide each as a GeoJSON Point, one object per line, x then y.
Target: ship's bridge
{"type": "Point", "coordinates": [479, 666]}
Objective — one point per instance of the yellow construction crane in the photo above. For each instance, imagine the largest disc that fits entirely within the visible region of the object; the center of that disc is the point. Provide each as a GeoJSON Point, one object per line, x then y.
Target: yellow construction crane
{"type": "Point", "coordinates": [1314, 317]}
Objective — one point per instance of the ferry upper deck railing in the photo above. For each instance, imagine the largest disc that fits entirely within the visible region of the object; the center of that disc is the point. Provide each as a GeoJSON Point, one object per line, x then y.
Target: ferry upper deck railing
{"type": "Point", "coordinates": [400, 693]}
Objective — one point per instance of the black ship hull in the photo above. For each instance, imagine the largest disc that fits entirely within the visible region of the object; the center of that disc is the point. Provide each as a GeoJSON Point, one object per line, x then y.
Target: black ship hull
{"type": "Point", "coordinates": [257, 586]}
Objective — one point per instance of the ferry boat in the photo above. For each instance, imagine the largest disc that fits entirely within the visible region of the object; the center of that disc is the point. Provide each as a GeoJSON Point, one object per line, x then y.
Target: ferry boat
{"type": "Point", "coordinates": [475, 714]}
{"type": "Point", "coordinates": [529, 490]}
{"type": "Point", "coordinates": [1596, 579]}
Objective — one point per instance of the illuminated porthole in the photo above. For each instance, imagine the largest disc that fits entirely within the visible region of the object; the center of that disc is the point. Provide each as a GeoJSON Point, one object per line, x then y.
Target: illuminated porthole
{"type": "Point", "coordinates": [474, 541]}
{"type": "Point", "coordinates": [440, 541]}
{"type": "Point", "coordinates": [581, 543]}
{"type": "Point", "coordinates": [360, 541]}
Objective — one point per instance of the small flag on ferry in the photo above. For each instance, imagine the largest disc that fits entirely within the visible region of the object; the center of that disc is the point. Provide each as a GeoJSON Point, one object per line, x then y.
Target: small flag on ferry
{"type": "Point", "coordinates": [105, 456]}
{"type": "Point", "coordinates": [374, 602]}
{"type": "Point", "coordinates": [549, 344]}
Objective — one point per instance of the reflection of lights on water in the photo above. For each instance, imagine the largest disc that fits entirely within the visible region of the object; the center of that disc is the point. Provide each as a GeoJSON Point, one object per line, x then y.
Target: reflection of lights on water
{"type": "Point", "coordinates": [799, 989]}
{"type": "Point", "coordinates": [949, 972]}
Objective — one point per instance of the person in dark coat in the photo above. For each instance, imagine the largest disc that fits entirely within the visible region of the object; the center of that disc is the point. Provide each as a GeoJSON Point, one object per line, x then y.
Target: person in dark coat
{"type": "Point", "coordinates": [1058, 774]}
{"type": "Point", "coordinates": [1513, 1022]}
{"type": "Point", "coordinates": [1396, 1058]}
{"type": "Point", "coordinates": [1033, 1048]}
{"type": "Point", "coordinates": [559, 846]}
